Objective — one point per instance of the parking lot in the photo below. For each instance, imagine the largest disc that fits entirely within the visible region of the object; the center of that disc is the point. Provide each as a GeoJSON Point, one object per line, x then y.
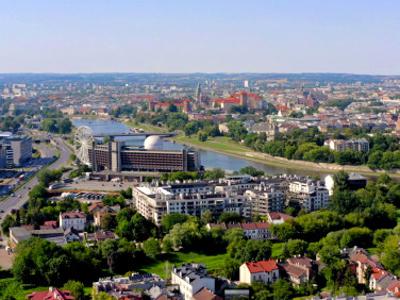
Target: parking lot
{"type": "Point", "coordinates": [92, 185]}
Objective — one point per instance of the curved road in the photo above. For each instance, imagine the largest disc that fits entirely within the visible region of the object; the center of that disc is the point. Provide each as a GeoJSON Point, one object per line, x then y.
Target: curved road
{"type": "Point", "coordinates": [21, 195]}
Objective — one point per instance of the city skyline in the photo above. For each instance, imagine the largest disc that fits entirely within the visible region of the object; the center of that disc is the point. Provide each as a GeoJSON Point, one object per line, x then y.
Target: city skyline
{"type": "Point", "coordinates": [209, 37]}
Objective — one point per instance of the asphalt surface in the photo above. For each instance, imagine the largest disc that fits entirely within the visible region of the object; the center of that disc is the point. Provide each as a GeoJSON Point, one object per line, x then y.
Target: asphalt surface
{"type": "Point", "coordinates": [20, 197]}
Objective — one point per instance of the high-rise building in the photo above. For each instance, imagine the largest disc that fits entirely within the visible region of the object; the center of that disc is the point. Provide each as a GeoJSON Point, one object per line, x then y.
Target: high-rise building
{"type": "Point", "coordinates": [14, 149]}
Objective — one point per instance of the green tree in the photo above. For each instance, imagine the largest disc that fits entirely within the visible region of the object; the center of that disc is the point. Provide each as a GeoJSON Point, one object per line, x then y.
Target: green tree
{"type": "Point", "coordinates": [250, 170]}
{"type": "Point", "coordinates": [76, 288]}
{"type": "Point", "coordinates": [296, 247]}
{"type": "Point", "coordinates": [64, 126]}
{"type": "Point", "coordinates": [230, 217]}
{"type": "Point", "coordinates": [282, 290]}
{"type": "Point", "coordinates": [390, 257]}
{"type": "Point", "coordinates": [169, 220]}
{"type": "Point", "coordinates": [151, 248]}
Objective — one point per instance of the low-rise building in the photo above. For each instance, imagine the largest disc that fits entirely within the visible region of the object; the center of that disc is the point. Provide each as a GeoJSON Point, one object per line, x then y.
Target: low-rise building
{"type": "Point", "coordinates": [73, 219]}
{"type": "Point", "coordinates": [22, 233]}
{"type": "Point", "coordinates": [191, 278]}
{"type": "Point", "coordinates": [300, 269]}
{"type": "Point", "coordinates": [277, 218]}
{"type": "Point", "coordinates": [51, 294]}
{"type": "Point", "coordinates": [265, 271]}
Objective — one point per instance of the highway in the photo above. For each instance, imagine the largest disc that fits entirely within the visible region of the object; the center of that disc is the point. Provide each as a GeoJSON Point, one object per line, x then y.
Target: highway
{"type": "Point", "coordinates": [20, 197]}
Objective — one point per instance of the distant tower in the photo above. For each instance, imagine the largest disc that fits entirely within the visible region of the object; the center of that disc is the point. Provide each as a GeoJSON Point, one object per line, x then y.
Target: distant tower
{"type": "Point", "coordinates": [198, 93]}
{"type": "Point", "coordinates": [11, 109]}
{"type": "Point", "coordinates": [243, 98]}
{"type": "Point", "coordinates": [246, 84]}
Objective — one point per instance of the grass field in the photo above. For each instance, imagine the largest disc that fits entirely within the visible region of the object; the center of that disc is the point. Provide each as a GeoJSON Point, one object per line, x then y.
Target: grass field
{"type": "Point", "coordinates": [213, 263]}
{"type": "Point", "coordinates": [146, 127]}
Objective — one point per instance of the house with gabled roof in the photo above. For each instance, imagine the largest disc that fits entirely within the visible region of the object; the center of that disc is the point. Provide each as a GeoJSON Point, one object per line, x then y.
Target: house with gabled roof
{"type": "Point", "coordinates": [266, 271]}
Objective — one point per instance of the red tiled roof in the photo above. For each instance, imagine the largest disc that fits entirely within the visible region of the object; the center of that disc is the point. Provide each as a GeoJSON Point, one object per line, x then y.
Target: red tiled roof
{"type": "Point", "coordinates": [227, 100]}
{"type": "Point", "coordinates": [378, 274]}
{"type": "Point", "coordinates": [363, 258]}
{"type": "Point", "coordinates": [279, 216]}
{"type": "Point", "coordinates": [255, 226]}
{"type": "Point", "coordinates": [51, 294]}
{"type": "Point", "coordinates": [394, 288]}
{"type": "Point", "coordinates": [262, 266]}
{"type": "Point", "coordinates": [205, 294]}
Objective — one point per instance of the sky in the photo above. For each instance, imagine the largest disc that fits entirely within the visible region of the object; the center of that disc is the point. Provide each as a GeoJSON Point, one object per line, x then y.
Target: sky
{"type": "Point", "coordinates": [175, 36]}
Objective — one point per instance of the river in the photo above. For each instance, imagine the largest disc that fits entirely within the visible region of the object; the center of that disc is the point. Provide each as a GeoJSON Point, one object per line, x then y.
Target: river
{"type": "Point", "coordinates": [209, 159]}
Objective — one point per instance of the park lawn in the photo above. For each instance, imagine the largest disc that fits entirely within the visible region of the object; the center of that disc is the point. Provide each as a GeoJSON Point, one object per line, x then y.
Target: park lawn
{"type": "Point", "coordinates": [277, 249]}
{"type": "Point", "coordinates": [219, 144]}
{"type": "Point", "coordinates": [213, 263]}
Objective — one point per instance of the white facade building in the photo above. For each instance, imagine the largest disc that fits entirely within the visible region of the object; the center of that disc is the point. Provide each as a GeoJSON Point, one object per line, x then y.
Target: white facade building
{"type": "Point", "coordinates": [75, 220]}
{"type": "Point", "coordinates": [265, 271]}
{"type": "Point", "coordinates": [191, 278]}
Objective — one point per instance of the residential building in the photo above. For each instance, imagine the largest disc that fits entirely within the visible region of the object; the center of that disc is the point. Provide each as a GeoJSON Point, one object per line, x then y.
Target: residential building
{"type": "Point", "coordinates": [73, 219]}
{"type": "Point", "coordinates": [277, 217]}
{"type": "Point", "coordinates": [360, 145]}
{"type": "Point", "coordinates": [205, 294]}
{"type": "Point", "coordinates": [191, 278]}
{"type": "Point", "coordinates": [264, 199]}
{"type": "Point", "coordinates": [300, 269]}
{"type": "Point", "coordinates": [188, 198]}
{"type": "Point", "coordinates": [265, 271]}
{"type": "Point", "coordinates": [51, 294]}
{"type": "Point", "coordinates": [104, 211]}
{"type": "Point", "coordinates": [308, 195]}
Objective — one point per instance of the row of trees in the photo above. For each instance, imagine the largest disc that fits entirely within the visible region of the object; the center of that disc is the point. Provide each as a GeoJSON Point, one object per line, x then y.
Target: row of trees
{"type": "Point", "coordinates": [308, 145]}
{"type": "Point", "coordinates": [56, 125]}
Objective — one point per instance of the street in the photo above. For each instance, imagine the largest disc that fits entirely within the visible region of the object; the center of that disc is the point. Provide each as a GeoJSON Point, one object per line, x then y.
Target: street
{"type": "Point", "coordinates": [20, 197]}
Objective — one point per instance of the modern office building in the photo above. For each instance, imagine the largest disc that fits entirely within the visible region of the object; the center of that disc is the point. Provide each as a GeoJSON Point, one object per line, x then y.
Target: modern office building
{"type": "Point", "coordinates": [116, 156]}
{"type": "Point", "coordinates": [14, 149]}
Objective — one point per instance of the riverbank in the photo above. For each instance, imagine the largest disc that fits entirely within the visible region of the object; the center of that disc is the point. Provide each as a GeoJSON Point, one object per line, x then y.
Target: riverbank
{"type": "Point", "coordinates": [227, 146]}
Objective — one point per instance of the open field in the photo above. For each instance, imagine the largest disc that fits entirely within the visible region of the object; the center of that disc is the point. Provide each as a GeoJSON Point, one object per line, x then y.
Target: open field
{"type": "Point", "coordinates": [213, 263]}
{"type": "Point", "coordinates": [146, 127]}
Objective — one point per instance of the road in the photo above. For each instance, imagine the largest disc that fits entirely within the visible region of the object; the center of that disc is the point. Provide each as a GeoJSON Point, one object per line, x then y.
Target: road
{"type": "Point", "coordinates": [20, 197]}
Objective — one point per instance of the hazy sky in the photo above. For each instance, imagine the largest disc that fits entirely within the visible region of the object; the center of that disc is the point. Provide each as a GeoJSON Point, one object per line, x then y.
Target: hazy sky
{"type": "Point", "coordinates": [354, 36]}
